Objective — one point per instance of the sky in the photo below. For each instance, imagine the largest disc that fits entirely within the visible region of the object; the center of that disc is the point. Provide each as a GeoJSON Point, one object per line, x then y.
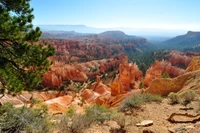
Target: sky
{"type": "Point", "coordinates": [158, 14]}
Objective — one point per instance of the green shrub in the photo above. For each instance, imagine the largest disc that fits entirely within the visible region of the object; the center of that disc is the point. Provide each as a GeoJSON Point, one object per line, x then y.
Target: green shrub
{"type": "Point", "coordinates": [136, 100]}
{"type": "Point", "coordinates": [76, 123]}
{"type": "Point", "coordinates": [186, 97]}
{"type": "Point", "coordinates": [73, 124]}
{"type": "Point", "coordinates": [141, 85]}
{"type": "Point", "coordinates": [151, 98]}
{"type": "Point", "coordinates": [64, 124]}
{"type": "Point", "coordinates": [71, 111]}
{"type": "Point", "coordinates": [182, 97]}
{"type": "Point", "coordinates": [16, 120]}
{"type": "Point", "coordinates": [80, 122]}
{"type": "Point", "coordinates": [165, 75]}
{"type": "Point", "coordinates": [98, 113]}
{"type": "Point", "coordinates": [173, 98]}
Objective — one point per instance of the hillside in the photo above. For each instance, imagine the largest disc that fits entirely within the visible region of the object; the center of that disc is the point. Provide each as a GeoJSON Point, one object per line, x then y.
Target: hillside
{"type": "Point", "coordinates": [195, 48]}
{"type": "Point", "coordinates": [182, 41]}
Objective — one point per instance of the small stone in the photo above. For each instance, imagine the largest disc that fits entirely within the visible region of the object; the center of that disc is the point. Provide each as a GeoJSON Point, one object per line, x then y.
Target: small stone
{"type": "Point", "coordinates": [177, 129]}
{"type": "Point", "coordinates": [145, 123]}
{"type": "Point", "coordinates": [155, 129]}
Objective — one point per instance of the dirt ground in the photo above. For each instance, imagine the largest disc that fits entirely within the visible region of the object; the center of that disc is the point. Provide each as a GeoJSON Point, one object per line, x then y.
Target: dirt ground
{"type": "Point", "coordinates": [158, 113]}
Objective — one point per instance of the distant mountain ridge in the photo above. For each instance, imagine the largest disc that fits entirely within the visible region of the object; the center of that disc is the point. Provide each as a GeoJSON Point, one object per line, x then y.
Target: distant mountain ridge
{"type": "Point", "coordinates": [63, 35]}
{"type": "Point", "coordinates": [150, 32]}
{"type": "Point", "coordinates": [116, 34]}
{"type": "Point", "coordinates": [75, 35]}
{"type": "Point", "coordinates": [183, 41]}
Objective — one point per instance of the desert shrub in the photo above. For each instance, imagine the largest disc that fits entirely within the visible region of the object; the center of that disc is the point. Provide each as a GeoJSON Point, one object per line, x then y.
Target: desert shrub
{"type": "Point", "coordinates": [165, 75]}
{"type": "Point", "coordinates": [173, 98]}
{"type": "Point", "coordinates": [16, 120]}
{"type": "Point", "coordinates": [141, 85]}
{"type": "Point", "coordinates": [71, 111]}
{"type": "Point", "coordinates": [182, 97]}
{"type": "Point", "coordinates": [186, 97]}
{"type": "Point", "coordinates": [80, 123]}
{"type": "Point", "coordinates": [151, 98]}
{"type": "Point", "coordinates": [98, 113]}
{"type": "Point", "coordinates": [63, 123]}
{"type": "Point", "coordinates": [136, 100]}
{"type": "Point", "coordinates": [76, 123]}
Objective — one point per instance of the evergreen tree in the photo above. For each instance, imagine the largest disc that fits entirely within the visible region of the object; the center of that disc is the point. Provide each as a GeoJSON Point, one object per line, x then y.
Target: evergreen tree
{"type": "Point", "coordinates": [23, 60]}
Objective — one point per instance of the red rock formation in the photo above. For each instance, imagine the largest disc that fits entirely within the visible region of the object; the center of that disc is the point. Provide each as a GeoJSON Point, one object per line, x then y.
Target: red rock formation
{"type": "Point", "coordinates": [163, 86]}
{"type": "Point", "coordinates": [187, 81]}
{"type": "Point", "coordinates": [56, 108]}
{"type": "Point", "coordinates": [158, 68]}
{"type": "Point", "coordinates": [100, 88]}
{"type": "Point", "coordinates": [89, 95]}
{"type": "Point", "coordinates": [180, 58]}
{"type": "Point", "coordinates": [128, 73]}
{"type": "Point", "coordinates": [57, 74]}
{"type": "Point", "coordinates": [58, 104]}
{"type": "Point", "coordinates": [194, 65]}
{"type": "Point", "coordinates": [60, 71]}
{"type": "Point", "coordinates": [44, 96]}
{"type": "Point", "coordinates": [51, 80]}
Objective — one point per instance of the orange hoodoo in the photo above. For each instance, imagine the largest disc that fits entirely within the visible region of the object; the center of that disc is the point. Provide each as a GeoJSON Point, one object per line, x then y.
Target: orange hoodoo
{"type": "Point", "coordinates": [128, 73]}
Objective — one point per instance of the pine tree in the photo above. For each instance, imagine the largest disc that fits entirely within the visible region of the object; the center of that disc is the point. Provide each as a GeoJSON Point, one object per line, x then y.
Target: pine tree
{"type": "Point", "coordinates": [23, 60]}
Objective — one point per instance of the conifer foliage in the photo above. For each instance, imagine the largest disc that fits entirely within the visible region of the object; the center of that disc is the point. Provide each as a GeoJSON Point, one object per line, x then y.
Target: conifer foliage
{"type": "Point", "coordinates": [23, 60]}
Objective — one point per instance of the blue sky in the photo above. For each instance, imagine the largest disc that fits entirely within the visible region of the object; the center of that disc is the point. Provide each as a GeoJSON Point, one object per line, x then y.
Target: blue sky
{"type": "Point", "coordinates": [160, 14]}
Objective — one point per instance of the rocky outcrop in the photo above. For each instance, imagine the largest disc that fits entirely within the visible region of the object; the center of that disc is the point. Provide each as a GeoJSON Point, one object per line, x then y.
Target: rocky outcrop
{"type": "Point", "coordinates": [96, 90]}
{"type": "Point", "coordinates": [179, 58]}
{"type": "Point", "coordinates": [158, 68]}
{"type": "Point", "coordinates": [59, 104]}
{"type": "Point", "coordinates": [51, 80]}
{"type": "Point", "coordinates": [89, 95]}
{"type": "Point", "coordinates": [27, 97]}
{"type": "Point", "coordinates": [56, 102]}
{"type": "Point", "coordinates": [187, 81]}
{"type": "Point", "coordinates": [194, 65]}
{"type": "Point", "coordinates": [163, 86]}
{"type": "Point", "coordinates": [100, 88]}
